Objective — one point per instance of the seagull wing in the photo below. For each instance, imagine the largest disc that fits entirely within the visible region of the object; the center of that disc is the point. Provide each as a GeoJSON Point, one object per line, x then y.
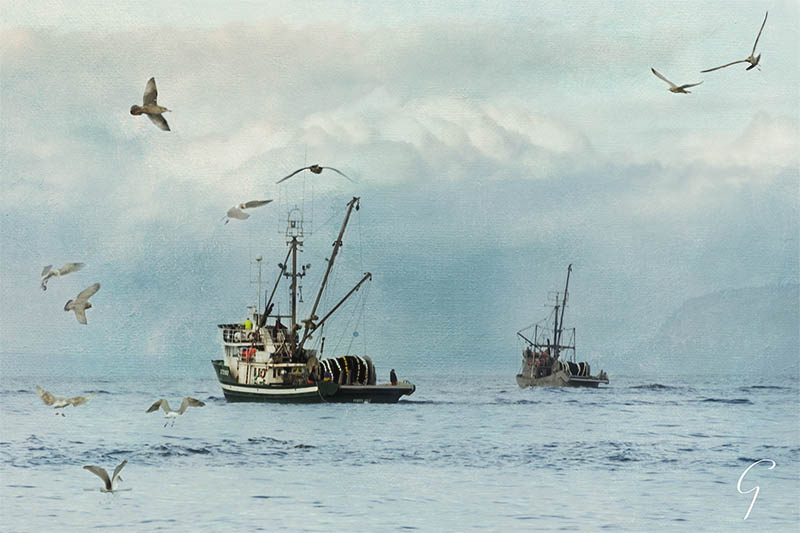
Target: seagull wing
{"type": "Point", "coordinates": [87, 293]}
{"type": "Point", "coordinates": [46, 397]}
{"type": "Point", "coordinates": [340, 173]}
{"type": "Point", "coordinates": [189, 402]}
{"type": "Point", "coordinates": [254, 203]}
{"type": "Point", "coordinates": [690, 85]}
{"type": "Point", "coordinates": [150, 92]}
{"type": "Point", "coordinates": [117, 470]}
{"type": "Point", "coordinates": [657, 73]}
{"type": "Point", "coordinates": [759, 33]}
{"type": "Point", "coordinates": [70, 267]}
{"type": "Point", "coordinates": [235, 212]}
{"type": "Point", "coordinates": [46, 270]}
{"type": "Point", "coordinates": [101, 473]}
{"type": "Point", "coordinates": [80, 314]}
{"type": "Point", "coordinates": [80, 400]}
{"type": "Point", "coordinates": [159, 121]}
{"type": "Point", "coordinates": [160, 403]}
{"type": "Point", "coordinates": [292, 174]}
{"type": "Point", "coordinates": [723, 66]}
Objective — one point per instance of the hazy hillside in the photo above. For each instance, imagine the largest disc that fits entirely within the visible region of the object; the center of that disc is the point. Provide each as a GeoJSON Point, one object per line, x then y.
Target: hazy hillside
{"type": "Point", "coordinates": [739, 330]}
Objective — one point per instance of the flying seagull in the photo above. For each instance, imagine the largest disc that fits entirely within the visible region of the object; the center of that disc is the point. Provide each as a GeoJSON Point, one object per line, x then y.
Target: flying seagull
{"type": "Point", "coordinates": [169, 413]}
{"type": "Point", "coordinates": [316, 169]}
{"type": "Point", "coordinates": [237, 213]}
{"type": "Point", "coordinates": [81, 302]}
{"type": "Point", "coordinates": [66, 268]}
{"type": "Point", "coordinates": [674, 88]}
{"type": "Point", "coordinates": [150, 108]}
{"type": "Point", "coordinates": [752, 58]}
{"type": "Point", "coordinates": [110, 484]}
{"type": "Point", "coordinates": [59, 403]}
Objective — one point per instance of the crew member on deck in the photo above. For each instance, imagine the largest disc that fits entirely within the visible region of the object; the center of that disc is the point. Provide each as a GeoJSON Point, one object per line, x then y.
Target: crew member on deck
{"type": "Point", "coordinates": [393, 377]}
{"type": "Point", "coordinates": [248, 324]}
{"type": "Point", "coordinates": [280, 336]}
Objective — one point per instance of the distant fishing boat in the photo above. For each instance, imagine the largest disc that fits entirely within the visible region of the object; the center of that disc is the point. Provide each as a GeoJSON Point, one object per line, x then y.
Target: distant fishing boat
{"type": "Point", "coordinates": [268, 362]}
{"type": "Point", "coordinates": [548, 360]}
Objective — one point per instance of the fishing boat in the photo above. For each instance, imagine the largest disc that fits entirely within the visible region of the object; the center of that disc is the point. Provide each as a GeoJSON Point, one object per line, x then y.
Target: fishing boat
{"type": "Point", "coordinates": [267, 361]}
{"type": "Point", "coordinates": [548, 359]}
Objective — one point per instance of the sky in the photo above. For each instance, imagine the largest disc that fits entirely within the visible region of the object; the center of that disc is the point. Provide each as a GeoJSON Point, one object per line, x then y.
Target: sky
{"type": "Point", "coordinates": [491, 146]}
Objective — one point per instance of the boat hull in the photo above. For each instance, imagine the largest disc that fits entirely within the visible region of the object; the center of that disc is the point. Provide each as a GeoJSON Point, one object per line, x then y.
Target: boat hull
{"type": "Point", "coordinates": [559, 379]}
{"type": "Point", "coordinates": [324, 392]}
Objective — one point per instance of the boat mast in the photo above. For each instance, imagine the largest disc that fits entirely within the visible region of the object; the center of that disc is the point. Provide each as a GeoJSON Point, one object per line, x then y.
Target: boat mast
{"type": "Point", "coordinates": [336, 245]}
{"type": "Point", "coordinates": [555, 332]}
{"type": "Point", "coordinates": [563, 307]}
{"type": "Point", "coordinates": [294, 238]}
{"type": "Point", "coordinates": [294, 291]}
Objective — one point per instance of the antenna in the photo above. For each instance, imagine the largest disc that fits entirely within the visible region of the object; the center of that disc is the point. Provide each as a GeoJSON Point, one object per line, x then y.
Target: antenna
{"type": "Point", "coordinates": [258, 260]}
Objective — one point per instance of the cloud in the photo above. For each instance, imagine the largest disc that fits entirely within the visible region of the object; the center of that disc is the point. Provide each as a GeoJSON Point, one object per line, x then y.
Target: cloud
{"type": "Point", "coordinates": [766, 146]}
{"type": "Point", "coordinates": [468, 140]}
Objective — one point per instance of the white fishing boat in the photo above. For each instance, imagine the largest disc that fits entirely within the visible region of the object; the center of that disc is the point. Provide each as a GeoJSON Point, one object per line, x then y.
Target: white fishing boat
{"type": "Point", "coordinates": [265, 359]}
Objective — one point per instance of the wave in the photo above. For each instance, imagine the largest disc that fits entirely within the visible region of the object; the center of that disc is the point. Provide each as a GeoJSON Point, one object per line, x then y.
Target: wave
{"type": "Point", "coordinates": [732, 401]}
{"type": "Point", "coordinates": [654, 386]}
{"type": "Point", "coordinates": [622, 458]}
{"type": "Point", "coordinates": [429, 402]}
{"type": "Point", "coordinates": [215, 399]}
{"type": "Point", "coordinates": [763, 387]}
{"type": "Point", "coordinates": [516, 402]}
{"type": "Point", "coordinates": [266, 440]}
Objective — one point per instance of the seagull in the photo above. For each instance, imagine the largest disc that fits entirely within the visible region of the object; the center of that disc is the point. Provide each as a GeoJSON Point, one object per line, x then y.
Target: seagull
{"type": "Point", "coordinates": [81, 302]}
{"type": "Point", "coordinates": [752, 58]}
{"type": "Point", "coordinates": [170, 414]}
{"type": "Point", "coordinates": [150, 108]}
{"type": "Point", "coordinates": [66, 268]}
{"type": "Point", "coordinates": [674, 88]}
{"type": "Point", "coordinates": [59, 403]}
{"type": "Point", "coordinates": [237, 213]}
{"type": "Point", "coordinates": [110, 484]}
{"type": "Point", "coordinates": [316, 169]}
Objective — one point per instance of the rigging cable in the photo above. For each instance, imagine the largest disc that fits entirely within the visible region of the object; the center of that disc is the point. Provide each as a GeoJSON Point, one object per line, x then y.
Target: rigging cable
{"type": "Point", "coordinates": [363, 298]}
{"type": "Point", "coordinates": [361, 259]}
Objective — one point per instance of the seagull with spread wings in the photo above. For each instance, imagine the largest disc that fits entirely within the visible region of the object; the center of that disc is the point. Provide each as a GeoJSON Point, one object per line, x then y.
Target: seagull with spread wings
{"type": "Point", "coordinates": [237, 210]}
{"type": "Point", "coordinates": [110, 485]}
{"type": "Point", "coordinates": [169, 413]}
{"type": "Point", "coordinates": [752, 58]}
{"type": "Point", "coordinates": [316, 169]}
{"type": "Point", "coordinates": [81, 302]}
{"type": "Point", "coordinates": [675, 88]}
{"type": "Point", "coordinates": [150, 107]}
{"type": "Point", "coordinates": [58, 402]}
{"type": "Point", "coordinates": [65, 269]}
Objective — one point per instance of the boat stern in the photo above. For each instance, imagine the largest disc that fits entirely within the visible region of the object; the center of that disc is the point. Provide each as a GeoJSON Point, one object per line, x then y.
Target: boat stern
{"type": "Point", "coordinates": [385, 393]}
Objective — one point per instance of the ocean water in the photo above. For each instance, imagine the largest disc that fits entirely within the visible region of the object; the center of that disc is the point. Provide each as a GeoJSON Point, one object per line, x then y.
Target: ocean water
{"type": "Point", "coordinates": [466, 452]}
